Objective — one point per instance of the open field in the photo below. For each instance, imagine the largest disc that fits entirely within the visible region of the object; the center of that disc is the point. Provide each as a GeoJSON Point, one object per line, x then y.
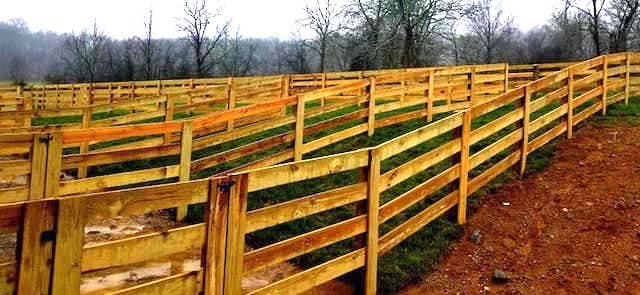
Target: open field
{"type": "Point", "coordinates": [570, 229]}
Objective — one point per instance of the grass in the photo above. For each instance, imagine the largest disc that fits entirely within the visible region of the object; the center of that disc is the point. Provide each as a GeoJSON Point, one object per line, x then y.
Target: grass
{"type": "Point", "coordinates": [412, 258]}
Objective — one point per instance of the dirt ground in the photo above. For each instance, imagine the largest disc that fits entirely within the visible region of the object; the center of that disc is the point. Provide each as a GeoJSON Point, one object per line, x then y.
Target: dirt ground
{"type": "Point", "coordinates": [572, 229]}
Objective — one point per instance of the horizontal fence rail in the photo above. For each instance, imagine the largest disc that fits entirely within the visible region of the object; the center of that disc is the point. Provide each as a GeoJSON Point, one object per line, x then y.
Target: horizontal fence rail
{"type": "Point", "coordinates": [485, 130]}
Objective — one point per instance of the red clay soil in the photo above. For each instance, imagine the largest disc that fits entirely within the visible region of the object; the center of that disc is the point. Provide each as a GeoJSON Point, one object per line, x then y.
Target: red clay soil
{"type": "Point", "coordinates": [572, 229]}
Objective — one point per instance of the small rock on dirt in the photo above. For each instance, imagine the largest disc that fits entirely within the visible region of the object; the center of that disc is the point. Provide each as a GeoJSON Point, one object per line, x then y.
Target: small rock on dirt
{"type": "Point", "coordinates": [500, 277]}
{"type": "Point", "coordinates": [475, 236]}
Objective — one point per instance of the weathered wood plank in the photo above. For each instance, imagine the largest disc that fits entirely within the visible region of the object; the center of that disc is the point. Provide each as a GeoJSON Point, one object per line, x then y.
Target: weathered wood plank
{"type": "Point", "coordinates": [142, 200]}
{"type": "Point", "coordinates": [69, 239]}
{"type": "Point", "coordinates": [184, 283]}
{"type": "Point", "coordinates": [293, 172]}
{"type": "Point", "coordinates": [418, 193]}
{"type": "Point", "coordinates": [306, 206]}
{"type": "Point", "coordinates": [315, 276]}
{"type": "Point", "coordinates": [302, 244]}
{"type": "Point", "coordinates": [415, 223]}
{"type": "Point", "coordinates": [36, 253]}
{"type": "Point", "coordinates": [419, 136]}
{"type": "Point", "coordinates": [399, 174]}
{"type": "Point", "coordinates": [143, 248]}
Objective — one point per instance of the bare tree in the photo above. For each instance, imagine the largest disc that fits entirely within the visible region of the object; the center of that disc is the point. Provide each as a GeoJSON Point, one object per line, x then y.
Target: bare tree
{"type": "Point", "coordinates": [83, 53]}
{"type": "Point", "coordinates": [374, 15]}
{"type": "Point", "coordinates": [196, 24]}
{"type": "Point", "coordinates": [240, 56]}
{"type": "Point", "coordinates": [452, 37]}
{"type": "Point", "coordinates": [419, 21]}
{"type": "Point", "coordinates": [593, 14]}
{"type": "Point", "coordinates": [323, 20]}
{"type": "Point", "coordinates": [296, 55]}
{"type": "Point", "coordinates": [622, 16]}
{"type": "Point", "coordinates": [147, 48]}
{"type": "Point", "coordinates": [490, 27]}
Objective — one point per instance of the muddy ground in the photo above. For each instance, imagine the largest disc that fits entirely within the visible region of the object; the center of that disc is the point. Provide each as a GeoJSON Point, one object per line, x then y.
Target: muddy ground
{"type": "Point", "coordinates": [572, 229]}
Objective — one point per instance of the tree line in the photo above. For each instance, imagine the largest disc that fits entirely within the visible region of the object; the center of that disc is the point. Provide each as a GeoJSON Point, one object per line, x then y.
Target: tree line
{"type": "Point", "coordinates": [358, 35]}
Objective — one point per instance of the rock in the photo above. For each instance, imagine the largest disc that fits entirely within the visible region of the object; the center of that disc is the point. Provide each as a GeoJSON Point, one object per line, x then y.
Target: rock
{"type": "Point", "coordinates": [500, 277]}
{"type": "Point", "coordinates": [475, 236]}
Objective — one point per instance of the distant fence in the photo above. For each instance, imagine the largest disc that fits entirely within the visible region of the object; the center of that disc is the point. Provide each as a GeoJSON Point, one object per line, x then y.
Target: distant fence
{"type": "Point", "coordinates": [471, 147]}
{"type": "Point", "coordinates": [48, 96]}
{"type": "Point", "coordinates": [427, 93]}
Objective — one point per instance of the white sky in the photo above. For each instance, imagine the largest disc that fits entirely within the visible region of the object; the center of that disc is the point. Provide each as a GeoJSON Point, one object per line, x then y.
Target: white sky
{"type": "Point", "coordinates": [255, 18]}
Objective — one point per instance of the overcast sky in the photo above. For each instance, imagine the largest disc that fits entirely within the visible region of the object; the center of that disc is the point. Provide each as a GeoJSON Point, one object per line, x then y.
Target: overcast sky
{"type": "Point", "coordinates": [254, 18]}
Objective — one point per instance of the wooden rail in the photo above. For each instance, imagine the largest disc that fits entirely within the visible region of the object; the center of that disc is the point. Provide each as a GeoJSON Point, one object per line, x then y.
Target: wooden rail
{"type": "Point", "coordinates": [487, 145]}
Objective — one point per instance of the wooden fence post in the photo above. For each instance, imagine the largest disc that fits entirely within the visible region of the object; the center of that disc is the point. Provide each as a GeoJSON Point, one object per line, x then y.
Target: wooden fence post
{"type": "Point", "coordinates": [506, 77]}
{"type": "Point", "coordinates": [465, 140]}
{"type": "Point", "coordinates": [110, 98]}
{"type": "Point", "coordinates": [58, 93]}
{"type": "Point", "coordinates": [231, 101]}
{"type": "Point", "coordinates": [90, 98]}
{"type": "Point", "coordinates": [403, 85]}
{"type": "Point", "coordinates": [570, 94]}
{"type": "Point", "coordinates": [373, 207]}
{"type": "Point", "coordinates": [236, 235]}
{"type": "Point", "coordinates": [526, 106]}
{"type": "Point", "coordinates": [20, 90]}
{"type": "Point", "coordinates": [605, 73]}
{"type": "Point", "coordinates": [213, 261]}
{"type": "Point", "coordinates": [84, 146]}
{"type": "Point", "coordinates": [323, 101]}
{"type": "Point", "coordinates": [371, 119]}
{"type": "Point", "coordinates": [38, 166]}
{"type": "Point", "coordinates": [299, 134]}
{"type": "Point", "coordinates": [168, 115]}
{"type": "Point", "coordinates": [361, 77]}
{"type": "Point", "coordinates": [472, 85]}
{"type": "Point", "coordinates": [536, 72]}
{"type": "Point", "coordinates": [627, 80]}
{"type": "Point", "coordinates": [27, 105]}
{"type": "Point", "coordinates": [73, 93]}
{"type": "Point", "coordinates": [185, 163]}
{"type": "Point", "coordinates": [431, 95]}
{"type": "Point", "coordinates": [36, 247]}
{"type": "Point", "coordinates": [133, 90]}
{"type": "Point", "coordinates": [67, 262]}
{"type": "Point", "coordinates": [285, 92]}
{"type": "Point", "coordinates": [54, 165]}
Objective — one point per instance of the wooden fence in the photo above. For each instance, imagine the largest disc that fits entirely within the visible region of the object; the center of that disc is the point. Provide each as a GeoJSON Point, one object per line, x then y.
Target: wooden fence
{"type": "Point", "coordinates": [471, 147]}
{"type": "Point", "coordinates": [197, 144]}
{"type": "Point", "coordinates": [46, 101]}
{"type": "Point", "coordinates": [57, 96]}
